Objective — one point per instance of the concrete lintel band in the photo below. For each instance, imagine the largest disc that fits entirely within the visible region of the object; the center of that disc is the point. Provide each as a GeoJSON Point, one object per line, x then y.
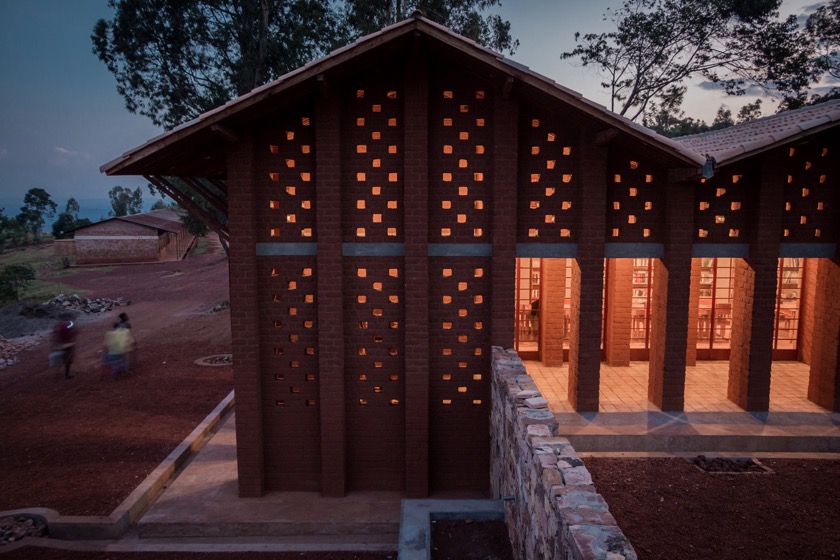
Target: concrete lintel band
{"type": "Point", "coordinates": [287, 249]}
{"type": "Point", "coordinates": [547, 250]}
{"type": "Point", "coordinates": [460, 250]}
{"type": "Point", "coordinates": [373, 249]}
{"type": "Point", "coordinates": [634, 250]}
{"type": "Point", "coordinates": [808, 250]}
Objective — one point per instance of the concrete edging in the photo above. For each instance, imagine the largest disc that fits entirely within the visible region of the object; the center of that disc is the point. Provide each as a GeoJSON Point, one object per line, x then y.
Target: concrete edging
{"type": "Point", "coordinates": [416, 517]}
{"type": "Point", "coordinates": [96, 527]}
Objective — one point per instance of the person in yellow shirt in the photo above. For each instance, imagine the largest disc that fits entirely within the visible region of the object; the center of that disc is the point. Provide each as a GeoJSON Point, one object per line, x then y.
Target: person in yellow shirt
{"type": "Point", "coordinates": [119, 342]}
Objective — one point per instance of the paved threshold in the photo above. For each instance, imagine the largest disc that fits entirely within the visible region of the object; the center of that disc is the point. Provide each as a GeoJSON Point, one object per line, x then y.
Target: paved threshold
{"type": "Point", "coordinates": [203, 502]}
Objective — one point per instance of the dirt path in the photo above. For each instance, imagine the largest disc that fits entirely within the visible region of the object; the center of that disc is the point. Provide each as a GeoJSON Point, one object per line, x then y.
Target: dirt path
{"type": "Point", "coordinates": [81, 445]}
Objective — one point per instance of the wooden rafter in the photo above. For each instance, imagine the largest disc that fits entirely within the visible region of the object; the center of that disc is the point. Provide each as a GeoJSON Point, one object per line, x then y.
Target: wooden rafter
{"type": "Point", "coordinates": [186, 202]}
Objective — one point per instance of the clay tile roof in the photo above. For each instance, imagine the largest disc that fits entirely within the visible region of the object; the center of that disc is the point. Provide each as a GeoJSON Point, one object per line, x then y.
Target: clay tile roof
{"type": "Point", "coordinates": [731, 144]}
{"type": "Point", "coordinates": [165, 219]}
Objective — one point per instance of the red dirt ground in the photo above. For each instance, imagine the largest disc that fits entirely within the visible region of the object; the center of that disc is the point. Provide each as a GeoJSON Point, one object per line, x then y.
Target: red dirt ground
{"type": "Point", "coordinates": [80, 446]}
{"type": "Point", "coordinates": [669, 508]}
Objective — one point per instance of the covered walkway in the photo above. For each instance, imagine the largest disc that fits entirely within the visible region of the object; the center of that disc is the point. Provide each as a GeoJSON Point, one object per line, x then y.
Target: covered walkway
{"type": "Point", "coordinates": [628, 423]}
{"type": "Point", "coordinates": [624, 389]}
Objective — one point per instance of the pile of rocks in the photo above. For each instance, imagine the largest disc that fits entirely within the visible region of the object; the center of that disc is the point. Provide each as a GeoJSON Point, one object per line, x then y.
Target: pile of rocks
{"type": "Point", "coordinates": [86, 305]}
{"type": "Point", "coordinates": [16, 527]}
{"type": "Point", "coordinates": [9, 349]}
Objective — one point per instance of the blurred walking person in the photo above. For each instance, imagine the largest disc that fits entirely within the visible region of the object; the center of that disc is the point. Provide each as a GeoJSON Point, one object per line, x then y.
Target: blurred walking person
{"type": "Point", "coordinates": [64, 336]}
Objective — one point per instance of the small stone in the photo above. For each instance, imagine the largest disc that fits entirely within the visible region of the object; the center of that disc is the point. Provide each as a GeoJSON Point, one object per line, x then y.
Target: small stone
{"type": "Point", "coordinates": [536, 402]}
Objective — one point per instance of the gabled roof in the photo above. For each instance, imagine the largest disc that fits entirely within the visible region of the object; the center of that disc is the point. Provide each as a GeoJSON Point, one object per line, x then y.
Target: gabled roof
{"type": "Point", "coordinates": [738, 142]}
{"type": "Point", "coordinates": [164, 220]}
{"type": "Point", "coordinates": [165, 154]}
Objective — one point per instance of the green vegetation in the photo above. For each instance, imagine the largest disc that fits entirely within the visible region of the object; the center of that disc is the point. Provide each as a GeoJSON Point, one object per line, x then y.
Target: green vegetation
{"type": "Point", "coordinates": [49, 273]}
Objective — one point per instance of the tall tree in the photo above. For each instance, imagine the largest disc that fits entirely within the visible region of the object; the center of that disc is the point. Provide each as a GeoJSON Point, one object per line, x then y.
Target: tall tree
{"type": "Point", "coordinates": [12, 231]}
{"type": "Point", "coordinates": [175, 59]}
{"type": "Point", "coordinates": [72, 207]}
{"type": "Point", "coordinates": [125, 202]}
{"type": "Point", "coordinates": [659, 44]}
{"type": "Point", "coordinates": [37, 205]}
{"type": "Point", "coordinates": [68, 220]}
{"type": "Point", "coordinates": [823, 26]}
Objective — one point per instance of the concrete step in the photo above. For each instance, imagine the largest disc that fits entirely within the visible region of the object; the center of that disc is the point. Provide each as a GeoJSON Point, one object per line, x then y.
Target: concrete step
{"type": "Point", "coordinates": [341, 530]}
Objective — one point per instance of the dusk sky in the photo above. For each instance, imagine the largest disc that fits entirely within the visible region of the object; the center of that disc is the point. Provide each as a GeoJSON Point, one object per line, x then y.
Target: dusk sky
{"type": "Point", "coordinates": [61, 117]}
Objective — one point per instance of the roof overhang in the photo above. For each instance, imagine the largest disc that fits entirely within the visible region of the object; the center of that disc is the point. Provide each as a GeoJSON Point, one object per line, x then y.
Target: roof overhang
{"type": "Point", "coordinates": [197, 148]}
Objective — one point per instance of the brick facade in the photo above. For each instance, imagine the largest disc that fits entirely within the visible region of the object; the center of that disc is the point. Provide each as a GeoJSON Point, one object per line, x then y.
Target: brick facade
{"type": "Point", "coordinates": [119, 241]}
{"type": "Point", "coordinates": [376, 216]}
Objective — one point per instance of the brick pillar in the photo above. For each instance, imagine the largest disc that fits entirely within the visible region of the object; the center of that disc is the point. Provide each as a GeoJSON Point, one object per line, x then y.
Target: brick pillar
{"type": "Point", "coordinates": [503, 288]}
{"type": "Point", "coordinates": [670, 301]}
{"type": "Point", "coordinates": [824, 381]}
{"type": "Point", "coordinates": [588, 277]}
{"type": "Point", "coordinates": [552, 310]}
{"type": "Point", "coordinates": [329, 296]}
{"type": "Point", "coordinates": [619, 307]}
{"type": "Point", "coordinates": [693, 311]}
{"type": "Point", "coordinates": [416, 208]}
{"type": "Point", "coordinates": [244, 314]}
{"type": "Point", "coordinates": [753, 309]}
{"type": "Point", "coordinates": [807, 304]}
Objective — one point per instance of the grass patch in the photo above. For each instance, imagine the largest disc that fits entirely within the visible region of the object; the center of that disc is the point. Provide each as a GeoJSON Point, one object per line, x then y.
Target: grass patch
{"type": "Point", "coordinates": [49, 271]}
{"type": "Point", "coordinates": [36, 256]}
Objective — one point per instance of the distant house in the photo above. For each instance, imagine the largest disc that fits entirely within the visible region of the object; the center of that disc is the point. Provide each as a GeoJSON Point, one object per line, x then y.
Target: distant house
{"type": "Point", "coordinates": [151, 237]}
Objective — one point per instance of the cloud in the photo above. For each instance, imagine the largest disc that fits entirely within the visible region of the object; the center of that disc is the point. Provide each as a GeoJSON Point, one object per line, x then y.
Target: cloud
{"type": "Point", "coordinates": [62, 157]}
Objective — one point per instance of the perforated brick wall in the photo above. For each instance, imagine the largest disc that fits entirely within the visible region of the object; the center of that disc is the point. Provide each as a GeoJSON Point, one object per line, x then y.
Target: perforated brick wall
{"type": "Point", "coordinates": [372, 158]}
{"type": "Point", "coordinates": [459, 362]}
{"type": "Point", "coordinates": [548, 196]}
{"type": "Point", "coordinates": [635, 199]}
{"type": "Point", "coordinates": [461, 137]}
{"type": "Point", "coordinates": [285, 167]}
{"type": "Point", "coordinates": [724, 205]}
{"type": "Point", "coordinates": [374, 362]}
{"type": "Point", "coordinates": [811, 192]}
{"type": "Point", "coordinates": [289, 372]}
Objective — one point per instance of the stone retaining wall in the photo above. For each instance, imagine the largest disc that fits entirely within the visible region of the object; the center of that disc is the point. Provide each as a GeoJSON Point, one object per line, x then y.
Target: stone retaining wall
{"type": "Point", "coordinates": [553, 510]}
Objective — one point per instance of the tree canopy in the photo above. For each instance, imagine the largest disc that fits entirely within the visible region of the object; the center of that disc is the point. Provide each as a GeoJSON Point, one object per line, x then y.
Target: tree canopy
{"type": "Point", "coordinates": [823, 26]}
{"type": "Point", "coordinates": [37, 204]}
{"type": "Point", "coordinates": [175, 59]}
{"type": "Point", "coordinates": [68, 220]}
{"type": "Point", "coordinates": [125, 202]}
{"type": "Point", "coordinates": [657, 45]}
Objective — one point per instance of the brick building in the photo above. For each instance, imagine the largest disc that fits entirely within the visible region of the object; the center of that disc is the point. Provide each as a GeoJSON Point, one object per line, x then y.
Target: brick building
{"type": "Point", "coordinates": [387, 207]}
{"type": "Point", "coordinates": [148, 237]}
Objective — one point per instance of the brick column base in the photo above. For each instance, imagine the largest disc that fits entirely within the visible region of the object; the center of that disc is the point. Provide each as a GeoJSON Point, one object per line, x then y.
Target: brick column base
{"type": "Point", "coordinates": [552, 311]}
{"type": "Point", "coordinates": [824, 381]}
